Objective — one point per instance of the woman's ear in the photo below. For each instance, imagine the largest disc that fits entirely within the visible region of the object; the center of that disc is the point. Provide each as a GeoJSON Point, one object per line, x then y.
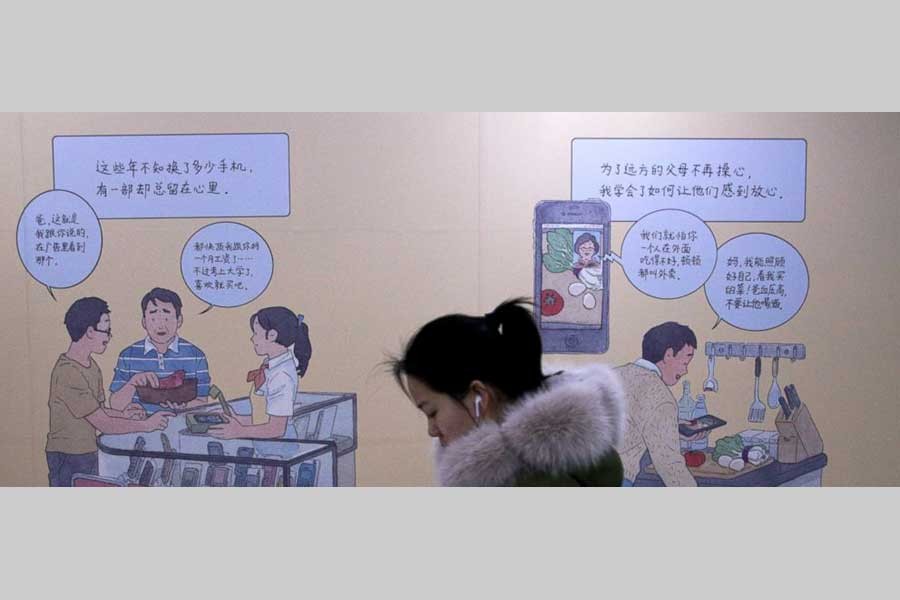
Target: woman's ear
{"type": "Point", "coordinates": [271, 335]}
{"type": "Point", "coordinates": [487, 406]}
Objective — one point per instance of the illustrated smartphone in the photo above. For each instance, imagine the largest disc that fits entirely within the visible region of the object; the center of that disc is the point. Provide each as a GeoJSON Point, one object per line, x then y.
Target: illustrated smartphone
{"type": "Point", "coordinates": [215, 392]}
{"type": "Point", "coordinates": [699, 425]}
{"type": "Point", "coordinates": [326, 423]}
{"type": "Point", "coordinates": [190, 475]}
{"type": "Point", "coordinates": [571, 279]}
{"type": "Point", "coordinates": [307, 474]}
{"type": "Point", "coordinates": [240, 470]}
{"type": "Point", "coordinates": [216, 474]}
{"type": "Point", "coordinates": [200, 423]}
{"type": "Point", "coordinates": [168, 467]}
{"type": "Point", "coordinates": [146, 474]}
{"type": "Point", "coordinates": [135, 462]}
{"type": "Point", "coordinates": [270, 474]}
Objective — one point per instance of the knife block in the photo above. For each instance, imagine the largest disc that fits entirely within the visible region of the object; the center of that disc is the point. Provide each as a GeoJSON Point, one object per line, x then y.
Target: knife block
{"type": "Point", "coordinates": [798, 437]}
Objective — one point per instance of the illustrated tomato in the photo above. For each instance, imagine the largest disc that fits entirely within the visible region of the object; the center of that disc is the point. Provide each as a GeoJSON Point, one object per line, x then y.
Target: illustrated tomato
{"type": "Point", "coordinates": [694, 458]}
{"type": "Point", "coordinates": [551, 303]}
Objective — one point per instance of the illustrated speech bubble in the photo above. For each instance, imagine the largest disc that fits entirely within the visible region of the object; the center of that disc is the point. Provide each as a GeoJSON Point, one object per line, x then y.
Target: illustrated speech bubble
{"type": "Point", "coordinates": [226, 264]}
{"type": "Point", "coordinates": [668, 254]}
{"type": "Point", "coordinates": [759, 283]}
{"type": "Point", "coordinates": [220, 175]}
{"type": "Point", "coordinates": [59, 239]}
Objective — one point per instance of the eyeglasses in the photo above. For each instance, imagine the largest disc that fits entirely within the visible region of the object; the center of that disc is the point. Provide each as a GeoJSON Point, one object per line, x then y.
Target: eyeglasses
{"type": "Point", "coordinates": [106, 331]}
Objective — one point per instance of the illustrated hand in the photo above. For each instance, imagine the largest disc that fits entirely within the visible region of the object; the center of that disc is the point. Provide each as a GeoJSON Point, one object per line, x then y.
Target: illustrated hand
{"type": "Point", "coordinates": [158, 420]}
{"type": "Point", "coordinates": [135, 411]}
{"type": "Point", "coordinates": [144, 379]}
{"type": "Point", "coordinates": [696, 436]}
{"type": "Point", "coordinates": [230, 430]}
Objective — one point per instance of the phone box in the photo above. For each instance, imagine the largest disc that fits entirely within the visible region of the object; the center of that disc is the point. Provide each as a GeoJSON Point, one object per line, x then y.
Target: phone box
{"type": "Point", "coordinates": [759, 437]}
{"type": "Point", "coordinates": [799, 437]}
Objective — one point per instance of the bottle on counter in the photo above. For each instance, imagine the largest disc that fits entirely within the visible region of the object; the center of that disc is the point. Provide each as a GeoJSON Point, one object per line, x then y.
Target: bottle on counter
{"type": "Point", "coordinates": [700, 410]}
{"type": "Point", "coordinates": [685, 410]}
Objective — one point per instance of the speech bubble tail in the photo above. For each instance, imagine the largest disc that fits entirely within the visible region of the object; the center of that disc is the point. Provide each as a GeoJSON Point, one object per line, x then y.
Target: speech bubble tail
{"type": "Point", "coordinates": [50, 289]}
{"type": "Point", "coordinates": [613, 257]}
{"type": "Point", "coordinates": [717, 323]}
{"type": "Point", "coordinates": [207, 309]}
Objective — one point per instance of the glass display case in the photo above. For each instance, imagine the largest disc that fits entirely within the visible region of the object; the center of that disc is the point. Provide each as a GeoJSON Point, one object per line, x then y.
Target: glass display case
{"type": "Point", "coordinates": [318, 449]}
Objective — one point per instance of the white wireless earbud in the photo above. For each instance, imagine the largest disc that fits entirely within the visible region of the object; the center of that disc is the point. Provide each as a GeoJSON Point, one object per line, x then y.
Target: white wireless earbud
{"type": "Point", "coordinates": [477, 406]}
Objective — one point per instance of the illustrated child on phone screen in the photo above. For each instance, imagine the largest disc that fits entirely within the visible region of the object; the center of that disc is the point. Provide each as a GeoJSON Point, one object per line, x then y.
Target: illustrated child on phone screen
{"type": "Point", "coordinates": [282, 338]}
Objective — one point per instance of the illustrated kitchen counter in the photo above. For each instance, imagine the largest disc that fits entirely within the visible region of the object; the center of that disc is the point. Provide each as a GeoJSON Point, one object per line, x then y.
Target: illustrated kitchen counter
{"type": "Point", "coordinates": [318, 449]}
{"type": "Point", "coordinates": [771, 473]}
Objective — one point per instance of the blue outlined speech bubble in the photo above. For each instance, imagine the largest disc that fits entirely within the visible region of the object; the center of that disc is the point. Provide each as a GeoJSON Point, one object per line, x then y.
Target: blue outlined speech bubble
{"type": "Point", "coordinates": [187, 175]}
{"type": "Point", "coordinates": [668, 254]}
{"type": "Point", "coordinates": [226, 264]}
{"type": "Point", "coordinates": [59, 239]}
{"type": "Point", "coordinates": [760, 282]}
{"type": "Point", "coordinates": [716, 179]}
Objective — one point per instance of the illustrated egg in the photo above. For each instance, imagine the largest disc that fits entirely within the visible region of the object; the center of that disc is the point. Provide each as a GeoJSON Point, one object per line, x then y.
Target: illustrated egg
{"type": "Point", "coordinates": [577, 288]}
{"type": "Point", "coordinates": [589, 301]}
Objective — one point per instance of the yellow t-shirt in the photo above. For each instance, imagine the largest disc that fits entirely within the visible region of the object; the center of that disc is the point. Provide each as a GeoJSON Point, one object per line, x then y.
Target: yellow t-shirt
{"type": "Point", "coordinates": [76, 391]}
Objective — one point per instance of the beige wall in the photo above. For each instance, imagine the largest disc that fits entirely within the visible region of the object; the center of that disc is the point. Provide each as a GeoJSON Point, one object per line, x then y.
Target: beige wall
{"type": "Point", "coordinates": [397, 218]}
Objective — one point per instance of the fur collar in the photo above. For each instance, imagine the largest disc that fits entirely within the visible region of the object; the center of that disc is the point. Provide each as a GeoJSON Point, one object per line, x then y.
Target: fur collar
{"type": "Point", "coordinates": [577, 417]}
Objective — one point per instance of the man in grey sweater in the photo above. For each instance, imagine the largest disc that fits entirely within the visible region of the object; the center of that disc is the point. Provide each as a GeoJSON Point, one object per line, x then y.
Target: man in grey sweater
{"type": "Point", "coordinates": [652, 423]}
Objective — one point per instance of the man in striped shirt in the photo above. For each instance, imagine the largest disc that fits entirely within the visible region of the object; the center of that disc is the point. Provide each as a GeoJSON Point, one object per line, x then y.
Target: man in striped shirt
{"type": "Point", "coordinates": [161, 353]}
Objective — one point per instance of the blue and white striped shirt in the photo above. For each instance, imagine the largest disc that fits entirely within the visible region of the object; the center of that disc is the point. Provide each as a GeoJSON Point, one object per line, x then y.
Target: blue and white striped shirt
{"type": "Point", "coordinates": [142, 357]}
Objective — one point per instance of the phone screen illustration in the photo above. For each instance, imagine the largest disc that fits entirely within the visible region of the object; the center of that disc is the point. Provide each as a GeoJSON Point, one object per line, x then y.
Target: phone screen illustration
{"type": "Point", "coordinates": [572, 273]}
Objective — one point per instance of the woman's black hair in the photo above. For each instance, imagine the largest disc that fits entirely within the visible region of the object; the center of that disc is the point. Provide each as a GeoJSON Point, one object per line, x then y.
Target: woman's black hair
{"type": "Point", "coordinates": [502, 349]}
{"type": "Point", "coordinates": [290, 331]}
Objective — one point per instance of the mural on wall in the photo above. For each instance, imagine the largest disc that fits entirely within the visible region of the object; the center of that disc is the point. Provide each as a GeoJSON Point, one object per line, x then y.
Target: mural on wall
{"type": "Point", "coordinates": [669, 189]}
{"type": "Point", "coordinates": [163, 421]}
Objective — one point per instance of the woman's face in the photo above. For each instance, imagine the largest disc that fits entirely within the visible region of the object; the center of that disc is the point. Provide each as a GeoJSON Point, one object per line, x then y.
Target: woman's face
{"type": "Point", "coordinates": [261, 344]}
{"type": "Point", "coordinates": [586, 250]}
{"type": "Point", "coordinates": [448, 419]}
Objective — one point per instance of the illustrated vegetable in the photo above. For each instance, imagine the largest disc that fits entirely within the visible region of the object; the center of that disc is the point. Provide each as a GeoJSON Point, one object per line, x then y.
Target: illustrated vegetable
{"type": "Point", "coordinates": [754, 454]}
{"type": "Point", "coordinates": [174, 380]}
{"type": "Point", "coordinates": [736, 464]}
{"type": "Point", "coordinates": [731, 446]}
{"type": "Point", "coordinates": [558, 258]}
{"type": "Point", "coordinates": [694, 458]}
{"type": "Point", "coordinates": [551, 303]}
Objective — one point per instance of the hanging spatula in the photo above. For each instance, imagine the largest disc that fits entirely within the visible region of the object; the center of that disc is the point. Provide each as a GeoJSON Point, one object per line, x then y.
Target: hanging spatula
{"type": "Point", "coordinates": [757, 409]}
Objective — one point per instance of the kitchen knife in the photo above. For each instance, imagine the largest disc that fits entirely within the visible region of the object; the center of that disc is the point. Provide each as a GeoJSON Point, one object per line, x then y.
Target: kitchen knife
{"type": "Point", "coordinates": [784, 407]}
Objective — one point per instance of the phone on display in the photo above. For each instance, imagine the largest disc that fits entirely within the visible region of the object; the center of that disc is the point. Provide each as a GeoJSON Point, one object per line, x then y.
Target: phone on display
{"type": "Point", "coordinates": [240, 470]}
{"type": "Point", "coordinates": [571, 278]}
{"type": "Point", "coordinates": [135, 462]}
{"type": "Point", "coordinates": [168, 467]}
{"type": "Point", "coordinates": [270, 474]}
{"type": "Point", "coordinates": [190, 475]}
{"type": "Point", "coordinates": [215, 449]}
{"type": "Point", "coordinates": [306, 474]}
{"type": "Point", "coordinates": [146, 474]}
{"type": "Point", "coordinates": [252, 480]}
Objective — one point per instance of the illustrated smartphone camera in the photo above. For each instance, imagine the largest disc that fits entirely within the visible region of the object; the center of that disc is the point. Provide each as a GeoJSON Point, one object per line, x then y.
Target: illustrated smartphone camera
{"type": "Point", "coordinates": [571, 279]}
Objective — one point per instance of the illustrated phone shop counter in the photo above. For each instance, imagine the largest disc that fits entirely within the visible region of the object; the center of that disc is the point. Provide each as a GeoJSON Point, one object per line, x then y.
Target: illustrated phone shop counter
{"type": "Point", "coordinates": [318, 449]}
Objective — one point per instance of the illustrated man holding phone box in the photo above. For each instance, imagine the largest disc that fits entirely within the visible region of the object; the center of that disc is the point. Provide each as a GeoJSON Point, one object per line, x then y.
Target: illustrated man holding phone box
{"type": "Point", "coordinates": [76, 397]}
{"type": "Point", "coordinates": [160, 354]}
{"type": "Point", "coordinates": [652, 424]}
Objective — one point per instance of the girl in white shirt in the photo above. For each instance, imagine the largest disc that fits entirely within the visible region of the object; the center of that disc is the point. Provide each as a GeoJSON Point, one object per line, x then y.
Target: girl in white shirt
{"type": "Point", "coordinates": [283, 339]}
